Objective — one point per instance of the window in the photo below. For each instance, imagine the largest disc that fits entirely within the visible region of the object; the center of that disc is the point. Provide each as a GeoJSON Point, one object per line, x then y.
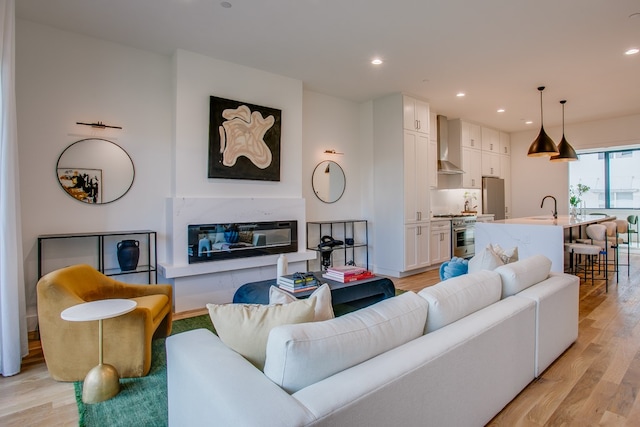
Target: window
{"type": "Point", "coordinates": [612, 176]}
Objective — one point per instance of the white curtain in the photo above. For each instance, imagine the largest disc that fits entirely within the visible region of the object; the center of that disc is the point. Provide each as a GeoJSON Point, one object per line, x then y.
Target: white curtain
{"type": "Point", "coordinates": [13, 328]}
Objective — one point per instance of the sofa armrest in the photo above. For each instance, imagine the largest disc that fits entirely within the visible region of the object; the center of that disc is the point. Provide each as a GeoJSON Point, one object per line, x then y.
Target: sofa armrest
{"type": "Point", "coordinates": [210, 384]}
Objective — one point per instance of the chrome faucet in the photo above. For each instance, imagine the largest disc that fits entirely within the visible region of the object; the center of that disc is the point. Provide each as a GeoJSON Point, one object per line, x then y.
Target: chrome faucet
{"type": "Point", "coordinates": [555, 205]}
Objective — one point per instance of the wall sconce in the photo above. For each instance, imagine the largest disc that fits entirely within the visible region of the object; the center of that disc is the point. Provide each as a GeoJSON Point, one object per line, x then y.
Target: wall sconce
{"type": "Point", "coordinates": [331, 152]}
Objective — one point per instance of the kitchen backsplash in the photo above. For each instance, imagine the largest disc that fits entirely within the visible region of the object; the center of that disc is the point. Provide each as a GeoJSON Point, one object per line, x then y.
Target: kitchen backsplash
{"type": "Point", "coordinates": [452, 201]}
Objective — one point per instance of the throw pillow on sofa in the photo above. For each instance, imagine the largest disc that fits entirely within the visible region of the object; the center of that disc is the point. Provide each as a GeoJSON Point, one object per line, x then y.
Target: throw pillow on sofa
{"type": "Point", "coordinates": [245, 327]}
{"type": "Point", "coordinates": [300, 355]}
{"type": "Point", "coordinates": [506, 255]}
{"type": "Point", "coordinates": [324, 308]}
{"type": "Point", "coordinates": [486, 259]}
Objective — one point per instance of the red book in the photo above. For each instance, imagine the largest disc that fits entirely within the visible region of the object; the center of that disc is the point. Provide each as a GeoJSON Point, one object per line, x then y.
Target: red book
{"type": "Point", "coordinates": [351, 278]}
{"type": "Point", "coordinates": [345, 270]}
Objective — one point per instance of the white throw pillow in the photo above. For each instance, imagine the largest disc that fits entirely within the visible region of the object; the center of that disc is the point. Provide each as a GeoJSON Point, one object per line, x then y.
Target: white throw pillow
{"type": "Point", "coordinates": [486, 259]}
{"type": "Point", "coordinates": [300, 355]}
{"type": "Point", "coordinates": [245, 327]}
{"type": "Point", "coordinates": [506, 255]}
{"type": "Point", "coordinates": [324, 309]}
{"type": "Point", "coordinates": [520, 275]}
{"type": "Point", "coordinates": [460, 296]}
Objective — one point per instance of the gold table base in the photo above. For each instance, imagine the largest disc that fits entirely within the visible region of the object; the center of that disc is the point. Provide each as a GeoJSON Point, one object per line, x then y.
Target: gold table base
{"type": "Point", "coordinates": [101, 383]}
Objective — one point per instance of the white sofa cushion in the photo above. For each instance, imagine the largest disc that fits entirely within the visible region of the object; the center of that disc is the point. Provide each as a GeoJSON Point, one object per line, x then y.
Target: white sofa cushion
{"type": "Point", "coordinates": [245, 327]}
{"type": "Point", "coordinates": [460, 296]}
{"type": "Point", "coordinates": [300, 355]}
{"type": "Point", "coordinates": [324, 308]}
{"type": "Point", "coordinates": [520, 275]}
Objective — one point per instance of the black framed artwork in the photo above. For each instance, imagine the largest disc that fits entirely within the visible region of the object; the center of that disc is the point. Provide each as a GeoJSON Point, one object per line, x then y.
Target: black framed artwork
{"type": "Point", "coordinates": [244, 140]}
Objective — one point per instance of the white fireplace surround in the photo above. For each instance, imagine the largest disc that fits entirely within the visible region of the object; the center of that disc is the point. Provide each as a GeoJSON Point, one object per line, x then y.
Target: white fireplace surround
{"type": "Point", "coordinates": [181, 212]}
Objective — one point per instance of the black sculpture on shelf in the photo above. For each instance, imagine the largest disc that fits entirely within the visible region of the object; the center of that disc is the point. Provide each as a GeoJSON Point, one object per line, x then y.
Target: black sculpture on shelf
{"type": "Point", "coordinates": [327, 243]}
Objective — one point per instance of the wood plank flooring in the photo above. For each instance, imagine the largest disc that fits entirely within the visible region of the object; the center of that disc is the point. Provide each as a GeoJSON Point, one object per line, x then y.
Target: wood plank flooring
{"type": "Point", "coordinates": [595, 382]}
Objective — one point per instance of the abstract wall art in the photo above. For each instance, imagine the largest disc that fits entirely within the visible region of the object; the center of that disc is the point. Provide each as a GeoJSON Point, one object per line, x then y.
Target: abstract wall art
{"type": "Point", "coordinates": [244, 140]}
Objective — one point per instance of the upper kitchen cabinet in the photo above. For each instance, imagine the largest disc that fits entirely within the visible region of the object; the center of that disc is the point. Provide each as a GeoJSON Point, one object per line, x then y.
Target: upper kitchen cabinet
{"type": "Point", "coordinates": [505, 143]}
{"type": "Point", "coordinates": [464, 149]}
{"type": "Point", "coordinates": [469, 134]}
{"type": "Point", "coordinates": [415, 114]}
{"type": "Point", "coordinates": [490, 140]}
{"type": "Point", "coordinates": [433, 150]}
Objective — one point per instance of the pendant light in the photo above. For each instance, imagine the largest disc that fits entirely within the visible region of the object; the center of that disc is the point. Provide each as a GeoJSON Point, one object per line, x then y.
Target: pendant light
{"type": "Point", "coordinates": [542, 145]}
{"type": "Point", "coordinates": [567, 153]}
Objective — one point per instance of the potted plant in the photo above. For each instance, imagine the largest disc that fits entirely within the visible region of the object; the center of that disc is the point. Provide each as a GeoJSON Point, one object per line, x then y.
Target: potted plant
{"type": "Point", "coordinates": [575, 196]}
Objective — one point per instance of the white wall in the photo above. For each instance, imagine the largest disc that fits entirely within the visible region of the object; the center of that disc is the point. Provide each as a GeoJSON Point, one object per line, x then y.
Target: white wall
{"type": "Point", "coordinates": [63, 78]}
{"type": "Point", "coordinates": [533, 178]}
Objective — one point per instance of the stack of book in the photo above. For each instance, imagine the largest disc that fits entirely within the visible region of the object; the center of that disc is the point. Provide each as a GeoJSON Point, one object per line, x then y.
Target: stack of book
{"type": "Point", "coordinates": [297, 282]}
{"type": "Point", "coordinates": [347, 273]}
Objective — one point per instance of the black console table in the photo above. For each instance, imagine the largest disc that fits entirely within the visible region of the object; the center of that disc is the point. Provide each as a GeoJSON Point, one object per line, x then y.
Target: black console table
{"type": "Point", "coordinates": [149, 243]}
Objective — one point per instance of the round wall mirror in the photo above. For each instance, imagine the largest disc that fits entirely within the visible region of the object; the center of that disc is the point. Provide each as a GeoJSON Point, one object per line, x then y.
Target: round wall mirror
{"type": "Point", "coordinates": [95, 171]}
{"type": "Point", "coordinates": [328, 181]}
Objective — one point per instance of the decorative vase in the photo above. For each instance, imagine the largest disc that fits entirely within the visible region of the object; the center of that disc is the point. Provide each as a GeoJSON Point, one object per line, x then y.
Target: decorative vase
{"type": "Point", "coordinates": [128, 253]}
{"type": "Point", "coordinates": [574, 213]}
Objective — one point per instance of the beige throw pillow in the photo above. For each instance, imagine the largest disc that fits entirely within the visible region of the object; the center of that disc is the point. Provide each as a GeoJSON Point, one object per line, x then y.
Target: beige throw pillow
{"type": "Point", "coordinates": [506, 255]}
{"type": "Point", "coordinates": [245, 327]}
{"type": "Point", "coordinates": [486, 259]}
{"type": "Point", "coordinates": [324, 308]}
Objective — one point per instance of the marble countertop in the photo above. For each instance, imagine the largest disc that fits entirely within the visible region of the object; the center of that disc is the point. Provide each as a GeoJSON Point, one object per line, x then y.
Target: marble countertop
{"type": "Point", "coordinates": [565, 221]}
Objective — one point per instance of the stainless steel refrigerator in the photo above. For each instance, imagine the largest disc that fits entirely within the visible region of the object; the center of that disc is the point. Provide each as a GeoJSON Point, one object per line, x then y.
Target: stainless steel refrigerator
{"type": "Point", "coordinates": [493, 197]}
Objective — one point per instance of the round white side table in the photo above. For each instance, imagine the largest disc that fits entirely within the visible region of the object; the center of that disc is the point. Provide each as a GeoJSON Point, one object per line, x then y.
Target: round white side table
{"type": "Point", "coordinates": [102, 382]}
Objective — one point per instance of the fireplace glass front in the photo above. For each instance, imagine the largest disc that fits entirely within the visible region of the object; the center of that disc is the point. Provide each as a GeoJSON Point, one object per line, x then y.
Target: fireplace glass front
{"type": "Point", "coordinates": [215, 242]}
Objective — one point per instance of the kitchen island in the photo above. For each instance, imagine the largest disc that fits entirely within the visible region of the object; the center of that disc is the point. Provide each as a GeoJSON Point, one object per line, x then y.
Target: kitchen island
{"type": "Point", "coordinates": [536, 235]}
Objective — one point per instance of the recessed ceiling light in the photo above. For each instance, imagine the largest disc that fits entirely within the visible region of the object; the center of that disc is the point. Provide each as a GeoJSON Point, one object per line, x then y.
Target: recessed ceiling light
{"type": "Point", "coordinates": [632, 51]}
{"type": "Point", "coordinates": [500, 110]}
{"type": "Point", "coordinates": [376, 61]}
{"type": "Point", "coordinates": [528, 122]}
{"type": "Point", "coordinates": [460, 94]}
{"type": "Point", "coordinates": [225, 4]}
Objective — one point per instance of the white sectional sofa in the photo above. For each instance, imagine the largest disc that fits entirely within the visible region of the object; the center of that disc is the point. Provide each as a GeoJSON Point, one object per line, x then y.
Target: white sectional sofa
{"type": "Point", "coordinates": [452, 355]}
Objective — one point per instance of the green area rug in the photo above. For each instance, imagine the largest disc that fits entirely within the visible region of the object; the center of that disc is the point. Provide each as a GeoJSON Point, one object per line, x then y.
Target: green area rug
{"type": "Point", "coordinates": [141, 401]}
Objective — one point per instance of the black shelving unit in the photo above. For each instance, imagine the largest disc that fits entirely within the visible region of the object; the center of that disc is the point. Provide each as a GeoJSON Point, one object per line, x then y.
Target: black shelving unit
{"type": "Point", "coordinates": [344, 230]}
{"type": "Point", "coordinates": [149, 237]}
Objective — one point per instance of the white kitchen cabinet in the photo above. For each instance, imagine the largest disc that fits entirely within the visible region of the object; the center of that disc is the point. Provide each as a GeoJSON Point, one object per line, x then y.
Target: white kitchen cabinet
{"type": "Point", "coordinates": [415, 114]}
{"type": "Point", "coordinates": [440, 242]}
{"type": "Point", "coordinates": [433, 150]}
{"type": "Point", "coordinates": [416, 181]}
{"type": "Point", "coordinates": [490, 163]}
{"type": "Point", "coordinates": [401, 170]}
{"type": "Point", "coordinates": [471, 165]}
{"type": "Point", "coordinates": [505, 143]}
{"type": "Point", "coordinates": [465, 133]}
{"type": "Point", "coordinates": [416, 252]}
{"type": "Point", "coordinates": [490, 140]}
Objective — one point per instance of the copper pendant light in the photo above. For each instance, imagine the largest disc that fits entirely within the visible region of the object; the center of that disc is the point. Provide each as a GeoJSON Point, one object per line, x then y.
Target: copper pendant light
{"type": "Point", "coordinates": [543, 145]}
{"type": "Point", "coordinates": [567, 153]}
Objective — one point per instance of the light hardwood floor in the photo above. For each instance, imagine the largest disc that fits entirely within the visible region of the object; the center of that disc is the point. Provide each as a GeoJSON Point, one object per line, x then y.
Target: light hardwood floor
{"type": "Point", "coordinates": [595, 382]}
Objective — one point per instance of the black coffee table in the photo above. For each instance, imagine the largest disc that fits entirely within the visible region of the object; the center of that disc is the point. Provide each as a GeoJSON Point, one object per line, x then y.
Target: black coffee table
{"type": "Point", "coordinates": [357, 294]}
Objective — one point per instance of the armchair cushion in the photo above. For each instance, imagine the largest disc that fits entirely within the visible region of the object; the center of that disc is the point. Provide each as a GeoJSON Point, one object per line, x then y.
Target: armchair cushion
{"type": "Point", "coordinates": [71, 348]}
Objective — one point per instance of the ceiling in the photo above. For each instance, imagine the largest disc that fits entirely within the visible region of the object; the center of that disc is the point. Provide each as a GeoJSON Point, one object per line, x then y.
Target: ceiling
{"type": "Point", "coordinates": [496, 51]}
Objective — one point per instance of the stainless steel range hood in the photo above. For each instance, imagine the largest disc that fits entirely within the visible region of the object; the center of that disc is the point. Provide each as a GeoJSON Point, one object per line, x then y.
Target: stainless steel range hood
{"type": "Point", "coordinates": [445, 167]}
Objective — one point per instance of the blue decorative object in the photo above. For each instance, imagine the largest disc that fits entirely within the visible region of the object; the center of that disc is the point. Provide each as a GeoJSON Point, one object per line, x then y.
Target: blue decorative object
{"type": "Point", "coordinates": [128, 252]}
{"type": "Point", "coordinates": [455, 267]}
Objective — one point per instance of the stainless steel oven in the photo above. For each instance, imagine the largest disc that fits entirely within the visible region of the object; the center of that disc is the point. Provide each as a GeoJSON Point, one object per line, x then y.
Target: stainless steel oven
{"type": "Point", "coordinates": [462, 236]}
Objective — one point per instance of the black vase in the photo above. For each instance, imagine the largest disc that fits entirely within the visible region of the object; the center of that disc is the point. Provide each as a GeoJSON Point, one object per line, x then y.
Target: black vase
{"type": "Point", "coordinates": [128, 254]}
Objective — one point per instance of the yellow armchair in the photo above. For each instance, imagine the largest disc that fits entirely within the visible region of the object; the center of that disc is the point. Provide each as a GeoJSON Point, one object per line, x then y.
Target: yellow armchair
{"type": "Point", "coordinates": [71, 348]}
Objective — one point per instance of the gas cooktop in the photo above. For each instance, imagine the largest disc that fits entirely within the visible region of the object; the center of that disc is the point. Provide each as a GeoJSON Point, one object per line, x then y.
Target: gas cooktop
{"type": "Point", "coordinates": [452, 215]}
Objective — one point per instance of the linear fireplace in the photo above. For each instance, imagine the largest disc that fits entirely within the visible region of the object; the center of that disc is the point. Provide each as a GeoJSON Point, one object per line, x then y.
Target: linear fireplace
{"type": "Point", "coordinates": [215, 242]}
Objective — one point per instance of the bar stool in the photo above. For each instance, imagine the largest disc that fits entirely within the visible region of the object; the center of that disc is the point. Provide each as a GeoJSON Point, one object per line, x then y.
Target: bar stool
{"type": "Point", "coordinates": [596, 240]}
{"type": "Point", "coordinates": [613, 242]}
{"type": "Point", "coordinates": [632, 220]}
{"type": "Point", "coordinates": [622, 229]}
{"type": "Point", "coordinates": [576, 250]}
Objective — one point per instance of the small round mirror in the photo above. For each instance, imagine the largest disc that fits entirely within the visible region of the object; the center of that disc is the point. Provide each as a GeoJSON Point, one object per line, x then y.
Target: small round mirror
{"type": "Point", "coordinates": [328, 181]}
{"type": "Point", "coordinates": [95, 171]}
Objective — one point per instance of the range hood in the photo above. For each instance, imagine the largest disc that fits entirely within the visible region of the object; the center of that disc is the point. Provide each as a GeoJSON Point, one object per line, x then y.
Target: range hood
{"type": "Point", "coordinates": [445, 167]}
